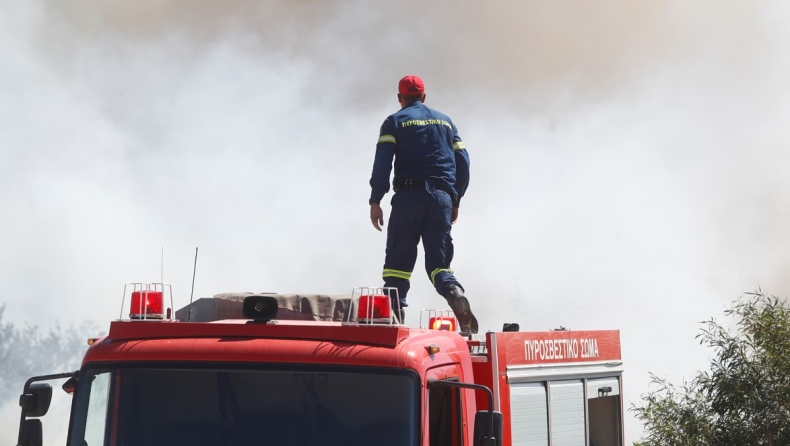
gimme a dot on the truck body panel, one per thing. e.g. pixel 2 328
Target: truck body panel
pixel 548 384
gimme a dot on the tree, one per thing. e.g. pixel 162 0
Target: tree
pixel 28 351
pixel 744 399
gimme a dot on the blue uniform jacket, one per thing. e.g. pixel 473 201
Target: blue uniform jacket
pixel 425 144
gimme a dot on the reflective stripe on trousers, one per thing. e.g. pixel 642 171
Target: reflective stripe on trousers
pixel 419 214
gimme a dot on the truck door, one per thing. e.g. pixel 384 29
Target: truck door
pixel 531 425
pixel 567 413
pixel 604 411
pixel 445 410
pixel 444 416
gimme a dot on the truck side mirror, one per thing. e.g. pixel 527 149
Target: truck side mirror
pixel 36 401
pixel 483 426
pixel 71 384
pixel 31 433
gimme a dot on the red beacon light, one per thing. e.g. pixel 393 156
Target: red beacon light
pixel 442 323
pixel 373 305
pixel 147 304
pixel 375 308
pixel 148 301
pixel 441 320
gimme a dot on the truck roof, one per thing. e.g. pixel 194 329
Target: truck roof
pixel 382 335
pixel 308 329
pixel 297 342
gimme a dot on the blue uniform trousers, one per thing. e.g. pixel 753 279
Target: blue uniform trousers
pixel 419 213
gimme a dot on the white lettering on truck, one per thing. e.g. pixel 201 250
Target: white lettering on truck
pixel 554 349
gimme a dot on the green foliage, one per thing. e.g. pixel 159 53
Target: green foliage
pixel 29 351
pixel 744 399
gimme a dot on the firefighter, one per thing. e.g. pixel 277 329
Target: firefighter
pixel 431 176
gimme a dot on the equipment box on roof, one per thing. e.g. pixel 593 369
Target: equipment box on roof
pixel 556 388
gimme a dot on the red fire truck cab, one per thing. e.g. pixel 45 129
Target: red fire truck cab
pixel 364 380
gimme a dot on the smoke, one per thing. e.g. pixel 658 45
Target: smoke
pixel 627 157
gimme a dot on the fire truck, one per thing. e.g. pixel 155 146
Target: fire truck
pixel 301 370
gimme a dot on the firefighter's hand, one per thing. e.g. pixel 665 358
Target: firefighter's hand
pixel 376 216
pixel 453 216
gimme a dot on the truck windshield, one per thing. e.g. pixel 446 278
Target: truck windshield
pixel 204 406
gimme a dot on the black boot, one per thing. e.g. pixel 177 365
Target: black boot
pixel 400 314
pixel 460 305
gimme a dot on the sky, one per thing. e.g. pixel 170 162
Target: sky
pixel 628 157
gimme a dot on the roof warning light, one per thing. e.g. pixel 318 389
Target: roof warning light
pixel 374 305
pixel 148 301
pixel 146 304
pixel 442 323
pixel 374 308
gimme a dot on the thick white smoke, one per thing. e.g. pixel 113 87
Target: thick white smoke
pixel 627 157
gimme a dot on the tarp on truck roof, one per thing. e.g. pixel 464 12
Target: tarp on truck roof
pixel 318 307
